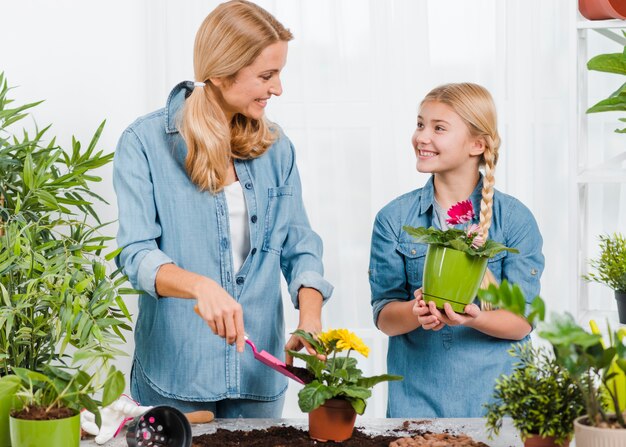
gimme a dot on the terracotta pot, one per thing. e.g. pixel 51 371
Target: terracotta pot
pixel 602 9
pixel 333 421
pixel 588 436
pixel 543 441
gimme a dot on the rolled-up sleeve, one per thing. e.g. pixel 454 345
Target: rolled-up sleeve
pixel 139 229
pixel 387 273
pixel 524 269
pixel 301 255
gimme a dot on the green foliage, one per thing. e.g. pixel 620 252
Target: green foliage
pixel 456 239
pixel 611 265
pixel 539 396
pixel 337 377
pixel 509 296
pixel 589 363
pixel 56 295
pixel 611 63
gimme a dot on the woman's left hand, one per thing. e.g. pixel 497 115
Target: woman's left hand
pixel 310 301
pixel 451 318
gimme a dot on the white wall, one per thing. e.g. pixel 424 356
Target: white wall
pixel 356 72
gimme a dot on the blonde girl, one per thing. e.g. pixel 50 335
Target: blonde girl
pixel 450 360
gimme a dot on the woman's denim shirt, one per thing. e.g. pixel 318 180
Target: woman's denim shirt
pixel 164 218
pixel 451 372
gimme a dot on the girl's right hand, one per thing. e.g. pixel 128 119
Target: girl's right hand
pixel 426 319
pixel 222 313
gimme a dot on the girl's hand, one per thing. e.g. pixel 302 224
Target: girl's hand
pixel 451 318
pixel 427 320
pixel 295 343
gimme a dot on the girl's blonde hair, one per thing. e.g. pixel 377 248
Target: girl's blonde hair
pixel 474 104
pixel 231 37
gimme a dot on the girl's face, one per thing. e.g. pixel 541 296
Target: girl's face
pixel 442 141
pixel 253 85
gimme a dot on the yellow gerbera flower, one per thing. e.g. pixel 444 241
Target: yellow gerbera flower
pixel 343 340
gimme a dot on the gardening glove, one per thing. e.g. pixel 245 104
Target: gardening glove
pixel 114 417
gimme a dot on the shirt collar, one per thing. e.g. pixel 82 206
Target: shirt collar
pixel 428 195
pixel 175 101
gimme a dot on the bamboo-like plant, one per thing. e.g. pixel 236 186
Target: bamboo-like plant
pixel 61 313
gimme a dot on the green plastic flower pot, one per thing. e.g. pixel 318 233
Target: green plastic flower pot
pixel 6 403
pixel 452 276
pixel 55 433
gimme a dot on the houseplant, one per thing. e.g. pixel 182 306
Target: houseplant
pixel 337 391
pixel 56 296
pixel 586 359
pixel 610 269
pixel 539 396
pixel 456 258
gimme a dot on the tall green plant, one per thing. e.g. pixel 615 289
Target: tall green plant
pixel 611 63
pixel 55 292
pixel 611 265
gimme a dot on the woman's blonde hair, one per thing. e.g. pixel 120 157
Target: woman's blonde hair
pixel 474 104
pixel 231 37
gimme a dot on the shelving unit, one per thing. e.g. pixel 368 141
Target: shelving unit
pixel 588 170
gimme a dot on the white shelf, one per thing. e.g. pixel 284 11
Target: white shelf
pixel 601 176
pixel 601 24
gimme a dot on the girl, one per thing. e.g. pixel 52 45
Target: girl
pixel 449 360
pixel 210 211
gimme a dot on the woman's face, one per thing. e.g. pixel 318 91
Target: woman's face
pixel 253 85
pixel 442 141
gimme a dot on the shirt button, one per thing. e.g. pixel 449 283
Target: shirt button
pixel 240 280
pixel 413 252
pixel 253 250
pixel 248 185
pixel 254 218
pixel 533 272
pixel 224 243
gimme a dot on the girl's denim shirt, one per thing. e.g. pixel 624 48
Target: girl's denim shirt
pixel 164 218
pixel 451 372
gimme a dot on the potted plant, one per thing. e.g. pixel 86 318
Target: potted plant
pixel 539 396
pixel 56 296
pixel 611 269
pixel 586 359
pixel 336 390
pixel 602 9
pixel 456 259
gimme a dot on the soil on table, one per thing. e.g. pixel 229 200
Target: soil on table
pixel 285 436
pixel 35 413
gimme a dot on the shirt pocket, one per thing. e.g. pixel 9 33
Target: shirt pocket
pixel 414 255
pixel 277 218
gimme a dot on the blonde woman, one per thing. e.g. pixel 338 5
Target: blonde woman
pixel 450 360
pixel 210 212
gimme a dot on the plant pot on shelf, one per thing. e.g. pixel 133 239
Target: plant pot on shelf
pixel 620 297
pixel 589 436
pixel 52 433
pixel 602 9
pixel 452 276
pixel 332 421
pixel 543 441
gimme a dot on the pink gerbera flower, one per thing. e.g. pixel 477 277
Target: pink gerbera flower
pixel 461 213
pixel 474 236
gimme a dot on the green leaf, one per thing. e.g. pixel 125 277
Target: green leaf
pixel 369 382
pixel 608 63
pixel 113 387
pixel 313 395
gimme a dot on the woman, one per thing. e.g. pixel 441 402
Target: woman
pixel 210 212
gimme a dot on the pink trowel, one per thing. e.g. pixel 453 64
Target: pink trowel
pixel 271 361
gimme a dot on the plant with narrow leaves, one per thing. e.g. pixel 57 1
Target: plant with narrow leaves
pixel 56 296
pixel 611 265
pixel 338 376
pixel 539 396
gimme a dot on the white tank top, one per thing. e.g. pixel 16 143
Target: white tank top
pixel 239 227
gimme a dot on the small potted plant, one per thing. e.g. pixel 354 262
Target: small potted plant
pixel 539 396
pixel 336 390
pixel 611 269
pixel 588 361
pixel 456 258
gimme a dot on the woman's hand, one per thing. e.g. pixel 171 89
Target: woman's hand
pixel 450 318
pixel 221 312
pixel 310 303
